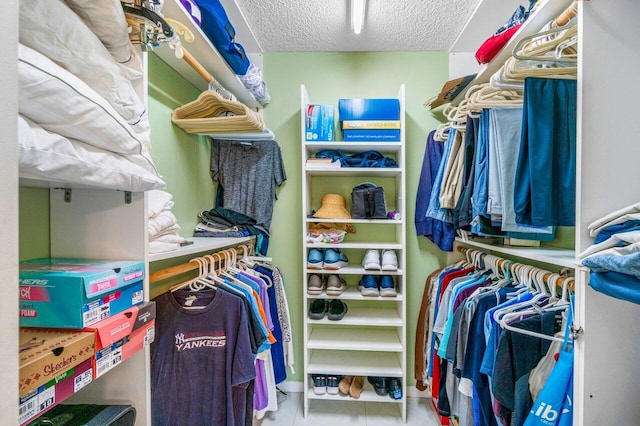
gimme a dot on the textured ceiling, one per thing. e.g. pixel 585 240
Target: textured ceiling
pixel 324 25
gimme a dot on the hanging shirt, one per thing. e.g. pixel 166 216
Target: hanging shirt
pixel 248 173
pixel 199 357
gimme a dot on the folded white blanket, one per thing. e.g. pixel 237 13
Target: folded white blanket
pixel 161 222
pixel 160 247
pixel 170 238
pixel 158 201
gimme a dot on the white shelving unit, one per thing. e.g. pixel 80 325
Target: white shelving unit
pixel 371 338
pixel 605 170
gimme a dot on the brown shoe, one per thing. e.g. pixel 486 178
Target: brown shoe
pixel 345 384
pixel 356 387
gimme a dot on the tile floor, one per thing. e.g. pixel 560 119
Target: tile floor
pixel 348 413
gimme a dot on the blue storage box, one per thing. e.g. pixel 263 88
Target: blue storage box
pixel 359 110
pixel 75 293
pixel 369 109
pixel 319 123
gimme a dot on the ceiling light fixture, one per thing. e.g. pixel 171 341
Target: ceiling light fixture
pixel 357 15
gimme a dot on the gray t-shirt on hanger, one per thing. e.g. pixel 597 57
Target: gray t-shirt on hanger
pixel 248 172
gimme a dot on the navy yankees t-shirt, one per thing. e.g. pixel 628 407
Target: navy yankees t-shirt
pixel 201 360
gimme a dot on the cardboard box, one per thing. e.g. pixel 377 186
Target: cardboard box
pixel 75 293
pixel 53 392
pixel 45 354
pixel 369 109
pixel 121 335
pixel 319 122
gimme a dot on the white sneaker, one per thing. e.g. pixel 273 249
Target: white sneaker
pixel 371 260
pixel 389 260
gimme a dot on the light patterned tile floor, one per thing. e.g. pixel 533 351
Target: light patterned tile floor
pixel 337 413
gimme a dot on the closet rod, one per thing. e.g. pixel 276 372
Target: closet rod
pixel 183 268
pixel 503 262
pixel 569 13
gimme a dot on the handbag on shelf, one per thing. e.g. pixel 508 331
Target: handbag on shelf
pixel 368 202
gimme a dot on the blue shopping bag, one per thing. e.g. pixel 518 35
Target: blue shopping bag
pixel 554 405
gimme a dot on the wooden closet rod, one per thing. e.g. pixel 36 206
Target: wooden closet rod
pixel 183 268
pixel 568 14
pixel 161 281
pixel 504 262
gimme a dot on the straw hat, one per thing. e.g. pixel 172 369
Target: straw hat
pixel 333 207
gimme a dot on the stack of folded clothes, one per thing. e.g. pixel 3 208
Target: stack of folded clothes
pixel 225 223
pixel 163 225
pixel 614 258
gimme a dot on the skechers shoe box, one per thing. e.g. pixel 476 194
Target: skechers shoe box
pixel 370 120
pixel 77 293
pixel 53 365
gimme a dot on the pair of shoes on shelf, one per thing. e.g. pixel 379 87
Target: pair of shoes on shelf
pixel 325 384
pixel 352 386
pixel 386 386
pixel 334 285
pixel 372 260
pixel 328 259
pixel 335 309
pixel 372 286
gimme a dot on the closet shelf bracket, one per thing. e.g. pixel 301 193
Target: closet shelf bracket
pixel 67 195
pixel 127 197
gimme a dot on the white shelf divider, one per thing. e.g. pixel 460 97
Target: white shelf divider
pixel 353 171
pixel 360 340
pixel 353 270
pixel 382 147
pixel 356 363
pixel 365 246
pixel 352 293
pixel 367 395
pixel 371 317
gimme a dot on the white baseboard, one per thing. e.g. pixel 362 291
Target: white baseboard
pixel 290 386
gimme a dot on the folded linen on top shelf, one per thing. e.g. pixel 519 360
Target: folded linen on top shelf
pixel 210 113
pixel 163 225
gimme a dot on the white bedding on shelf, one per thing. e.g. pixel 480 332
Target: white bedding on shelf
pixel 55 31
pixel 61 103
pixel 45 155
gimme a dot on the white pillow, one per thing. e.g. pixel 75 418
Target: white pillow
pixel 107 21
pixel 45 155
pixel 61 103
pixel 54 30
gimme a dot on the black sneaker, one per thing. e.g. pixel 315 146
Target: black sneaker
pixel 317 309
pixel 332 384
pixel 380 384
pixel 337 310
pixel 395 388
pixel 319 384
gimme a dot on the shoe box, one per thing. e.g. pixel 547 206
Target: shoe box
pixel 77 293
pixel 46 354
pixel 45 397
pixel 121 335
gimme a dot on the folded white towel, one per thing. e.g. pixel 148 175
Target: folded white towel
pixel 158 201
pixel 164 219
pixel 631 212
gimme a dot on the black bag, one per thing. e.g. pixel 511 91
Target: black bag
pixel 368 202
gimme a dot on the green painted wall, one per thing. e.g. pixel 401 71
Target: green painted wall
pixel 329 76
pixel 34 223
pixel 181 159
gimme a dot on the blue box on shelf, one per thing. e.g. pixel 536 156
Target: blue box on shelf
pixel 359 111
pixel 319 121
pixel 369 109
